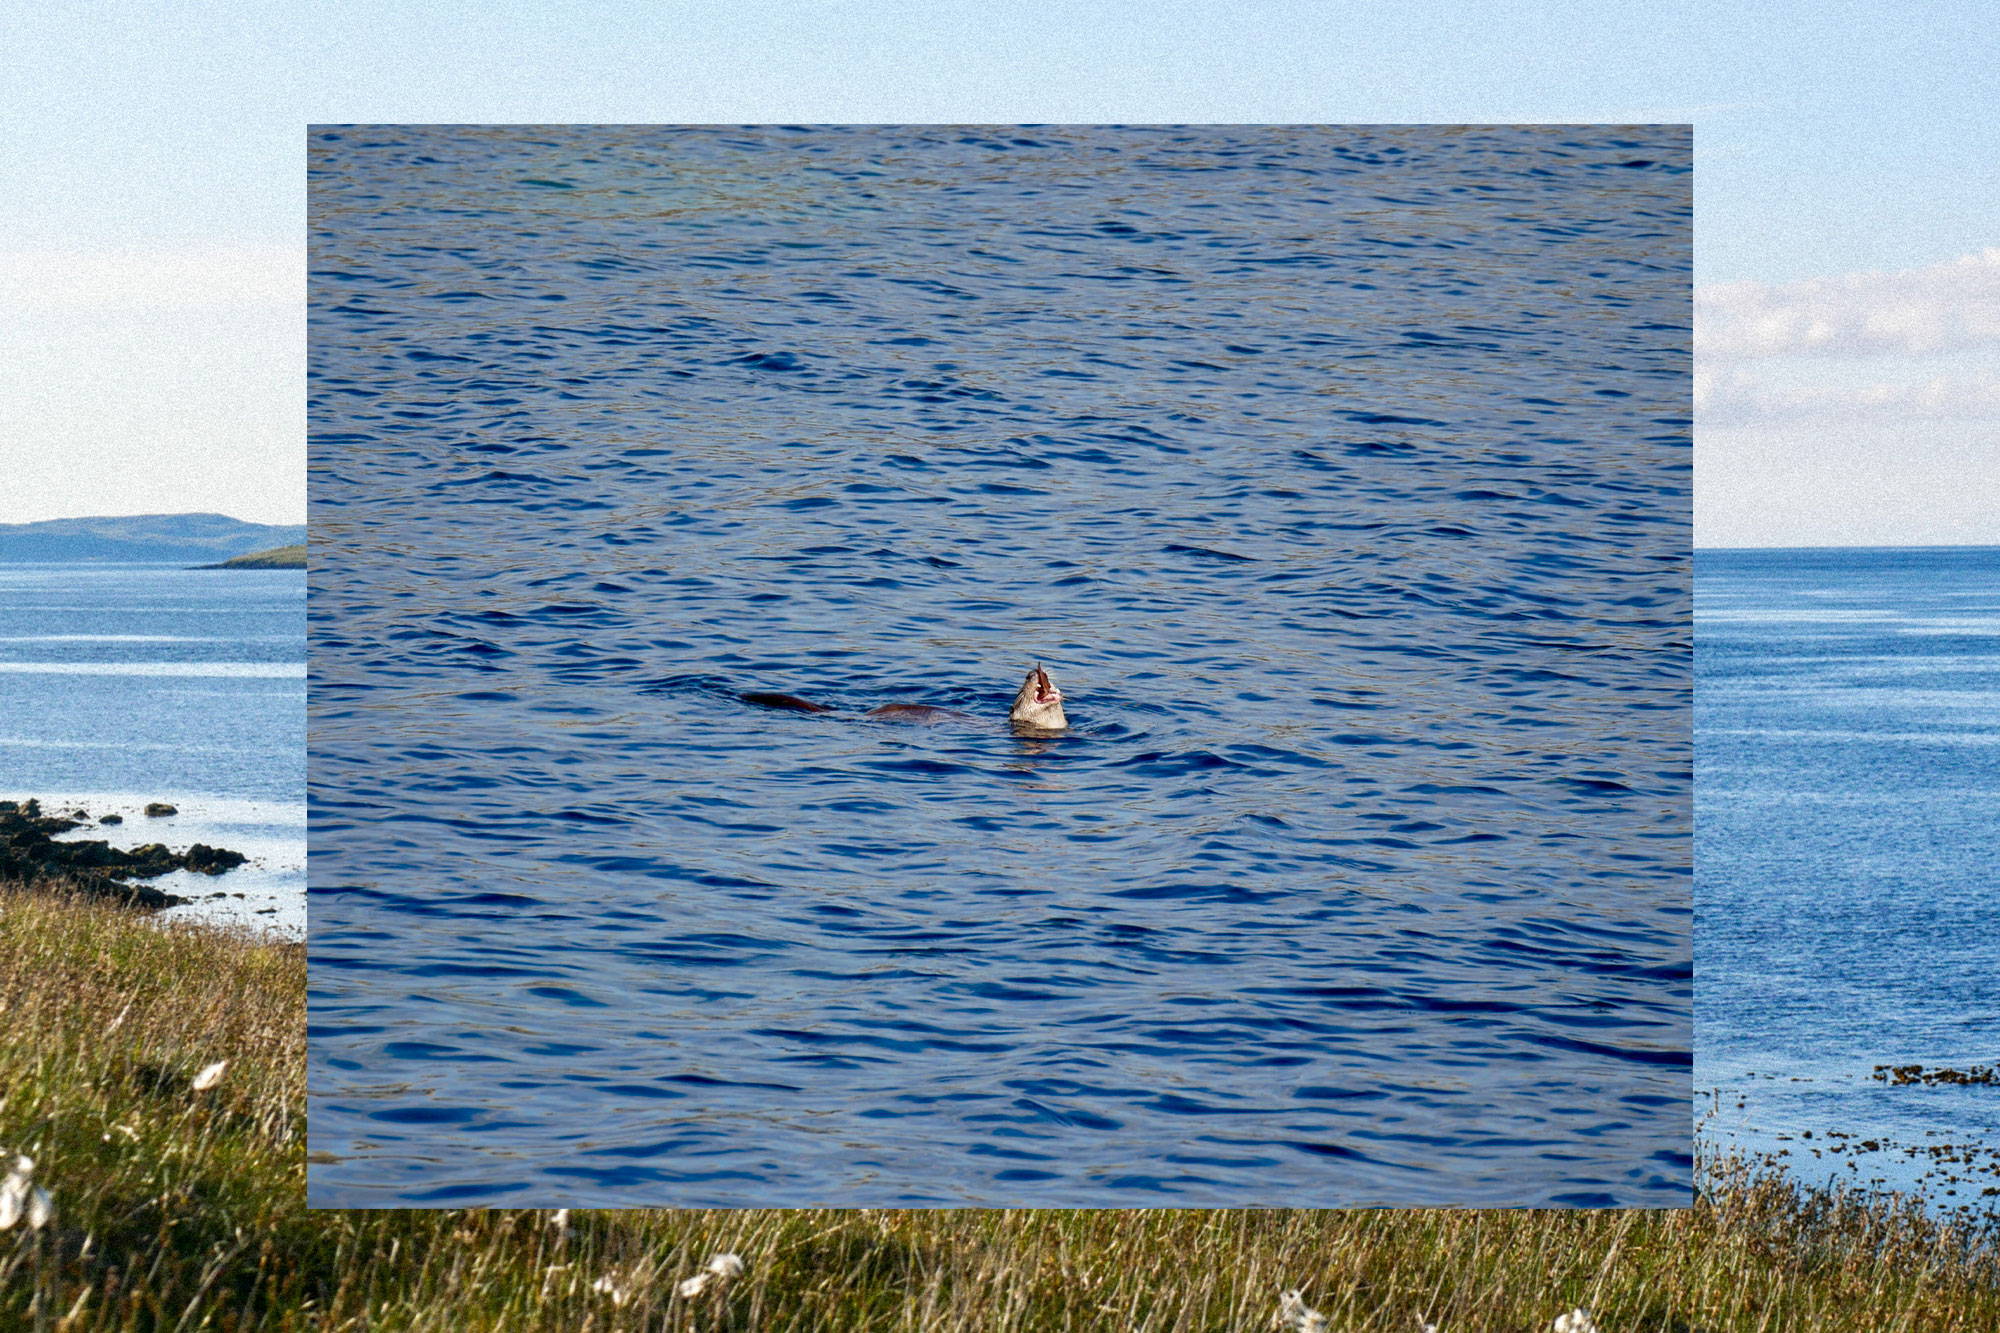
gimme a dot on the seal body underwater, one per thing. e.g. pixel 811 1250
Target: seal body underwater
pixel 916 713
pixel 1037 706
pixel 791 702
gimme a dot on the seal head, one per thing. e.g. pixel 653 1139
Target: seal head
pixel 1039 704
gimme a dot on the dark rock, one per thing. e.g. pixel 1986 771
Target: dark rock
pixel 112 819
pixel 152 860
pixel 211 860
pixel 142 896
pixel 158 808
pixel 96 854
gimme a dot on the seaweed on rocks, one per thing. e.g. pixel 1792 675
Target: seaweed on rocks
pixel 1897 1076
pixel 33 857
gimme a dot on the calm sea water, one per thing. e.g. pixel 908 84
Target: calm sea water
pixel 122 685
pixel 1848 711
pixel 1339 476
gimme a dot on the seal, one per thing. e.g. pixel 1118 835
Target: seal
pixel 1037 706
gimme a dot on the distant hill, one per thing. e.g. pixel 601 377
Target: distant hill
pixel 282 557
pixel 166 538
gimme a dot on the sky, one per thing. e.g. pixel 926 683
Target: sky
pixel 1848 214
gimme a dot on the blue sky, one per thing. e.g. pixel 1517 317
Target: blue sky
pixel 151 196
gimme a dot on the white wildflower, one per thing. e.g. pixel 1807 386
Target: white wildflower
pixel 210 1076
pixel 560 1220
pixel 1295 1314
pixel 1576 1321
pixel 21 1197
pixel 610 1287
pixel 1425 1326
pixel 720 1269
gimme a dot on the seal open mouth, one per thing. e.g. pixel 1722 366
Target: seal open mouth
pixel 1038 705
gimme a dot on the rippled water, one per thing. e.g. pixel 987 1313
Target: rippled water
pixel 1849 720
pixel 121 685
pixel 1339 476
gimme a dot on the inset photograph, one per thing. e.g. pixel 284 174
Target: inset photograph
pixel 1025 666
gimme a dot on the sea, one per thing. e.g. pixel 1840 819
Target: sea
pixel 1848 728
pixel 124 685
pixel 1338 476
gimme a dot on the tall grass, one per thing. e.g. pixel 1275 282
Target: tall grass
pixel 183 1208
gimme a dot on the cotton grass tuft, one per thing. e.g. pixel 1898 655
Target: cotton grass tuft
pixel 1294 1314
pixel 720 1270
pixel 21 1197
pixel 610 1286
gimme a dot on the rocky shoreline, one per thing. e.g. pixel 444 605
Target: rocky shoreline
pixel 32 858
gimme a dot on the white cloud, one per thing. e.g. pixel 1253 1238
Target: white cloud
pixel 1730 397
pixel 1943 307
pixel 206 278
pixel 1899 347
pixel 1860 409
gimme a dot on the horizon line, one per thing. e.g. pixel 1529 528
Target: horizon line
pixel 154 513
pixel 1696 548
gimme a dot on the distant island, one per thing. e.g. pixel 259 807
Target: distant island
pixel 182 539
pixel 278 557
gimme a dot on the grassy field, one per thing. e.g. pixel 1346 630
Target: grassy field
pixel 177 1198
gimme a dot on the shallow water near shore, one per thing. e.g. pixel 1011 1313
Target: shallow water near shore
pixel 123 685
pixel 1339 478
pixel 267 892
pixel 1848 721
